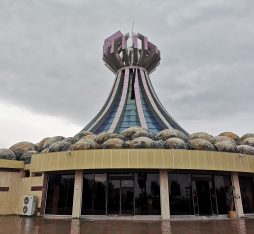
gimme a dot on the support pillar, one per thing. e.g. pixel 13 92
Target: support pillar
pixel 77 194
pixel 43 194
pixel 164 194
pixel 238 202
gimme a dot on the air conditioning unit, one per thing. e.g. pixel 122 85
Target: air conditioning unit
pixel 29 205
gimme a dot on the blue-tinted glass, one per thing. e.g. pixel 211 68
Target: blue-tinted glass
pixel 130 115
pixel 109 120
pixel 152 123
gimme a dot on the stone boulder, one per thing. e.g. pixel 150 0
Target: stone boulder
pixel 217 139
pixel 82 134
pixel 231 135
pixel 59 146
pixel 127 144
pixel 104 136
pixel 201 135
pixel 100 138
pixel 45 151
pixel 41 144
pixel 113 143
pixel 245 149
pixel 71 148
pixel 89 137
pixel 226 146
pixel 22 147
pixel 114 135
pixel 51 141
pixel 71 140
pixel 175 143
pixel 159 144
pixel 142 142
pixel 84 144
pixel 201 144
pixel 170 133
pixel 127 133
pixel 144 134
pixel 248 141
pixel 26 157
pixel 247 135
pixel 7 154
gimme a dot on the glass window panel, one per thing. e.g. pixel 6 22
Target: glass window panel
pixel 127 183
pixel 180 194
pixel 222 185
pixel 147 194
pixel 60 194
pixel 114 197
pixel 99 194
pixel 94 194
pixel 87 196
pixel 247 192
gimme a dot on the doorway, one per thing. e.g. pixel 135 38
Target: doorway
pixel 247 192
pixel 204 197
pixel 120 194
pixel 60 194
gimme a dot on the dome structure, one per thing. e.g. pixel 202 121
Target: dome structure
pixel 132 100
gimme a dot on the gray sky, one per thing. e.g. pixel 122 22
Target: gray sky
pixel 53 79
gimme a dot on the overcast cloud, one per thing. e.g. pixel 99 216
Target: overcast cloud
pixel 52 77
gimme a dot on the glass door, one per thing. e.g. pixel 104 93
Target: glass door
pixel 127 197
pixel 120 195
pixel 204 197
pixel 114 196
pixel 195 198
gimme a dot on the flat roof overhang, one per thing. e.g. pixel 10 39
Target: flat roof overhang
pixel 142 159
pixel 12 164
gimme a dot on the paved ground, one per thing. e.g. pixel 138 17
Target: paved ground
pixel 18 225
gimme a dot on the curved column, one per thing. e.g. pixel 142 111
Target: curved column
pixel 150 98
pixel 138 102
pixel 107 105
pixel 122 101
pixel 169 118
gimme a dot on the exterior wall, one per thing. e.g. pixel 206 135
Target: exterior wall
pixel 24 188
pixel 8 199
pixel 11 201
pixel 14 186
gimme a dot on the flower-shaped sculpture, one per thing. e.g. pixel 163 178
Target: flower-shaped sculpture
pixel 141 53
pixel 132 101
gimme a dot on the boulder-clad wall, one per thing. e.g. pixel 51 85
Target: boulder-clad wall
pixel 133 138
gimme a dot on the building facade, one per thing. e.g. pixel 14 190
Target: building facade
pixel 137 179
